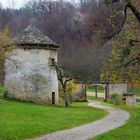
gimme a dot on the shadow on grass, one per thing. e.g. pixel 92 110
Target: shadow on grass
pixel 60 105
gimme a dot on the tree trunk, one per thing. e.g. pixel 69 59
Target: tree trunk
pixel 66 103
pixel 65 96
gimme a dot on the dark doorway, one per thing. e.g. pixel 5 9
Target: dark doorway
pixel 53 98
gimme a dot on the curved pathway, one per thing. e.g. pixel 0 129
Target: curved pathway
pixel 116 118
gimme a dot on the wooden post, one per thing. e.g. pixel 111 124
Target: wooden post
pixel 96 92
pixel 106 91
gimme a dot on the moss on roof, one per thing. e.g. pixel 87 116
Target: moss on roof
pixel 32 36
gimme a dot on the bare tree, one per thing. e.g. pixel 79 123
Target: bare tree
pixel 63 78
pixel 6 47
pixel 128 5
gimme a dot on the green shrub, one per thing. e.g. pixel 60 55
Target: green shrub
pixel 115 99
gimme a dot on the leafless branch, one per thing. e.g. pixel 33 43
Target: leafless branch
pixel 123 22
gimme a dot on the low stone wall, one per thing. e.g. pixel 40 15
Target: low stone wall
pixel 80 93
pixel 130 99
pixel 117 89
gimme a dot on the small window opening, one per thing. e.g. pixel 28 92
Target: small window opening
pixel 51 61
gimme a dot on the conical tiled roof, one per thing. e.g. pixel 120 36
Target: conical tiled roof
pixel 32 36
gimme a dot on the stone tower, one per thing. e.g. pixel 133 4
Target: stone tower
pixel 28 75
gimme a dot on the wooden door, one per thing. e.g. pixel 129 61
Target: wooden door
pixel 53 98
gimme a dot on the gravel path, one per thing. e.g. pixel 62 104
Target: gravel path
pixel 116 118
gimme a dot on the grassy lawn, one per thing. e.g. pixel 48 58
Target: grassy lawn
pixel 130 131
pixel 92 89
pixel 94 98
pixel 20 120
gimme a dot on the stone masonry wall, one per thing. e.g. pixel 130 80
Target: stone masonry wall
pixel 29 76
pixel 79 93
pixel 118 89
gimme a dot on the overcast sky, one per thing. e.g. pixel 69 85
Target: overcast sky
pixel 17 3
pixel 13 3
